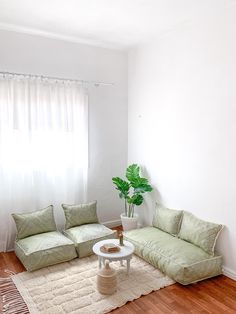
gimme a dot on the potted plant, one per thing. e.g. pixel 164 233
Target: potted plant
pixel 132 192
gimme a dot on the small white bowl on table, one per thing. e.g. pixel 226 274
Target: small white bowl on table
pixel 125 252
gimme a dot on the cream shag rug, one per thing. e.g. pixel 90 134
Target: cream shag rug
pixel 71 287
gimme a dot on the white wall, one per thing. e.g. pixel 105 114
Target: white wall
pixel 107 105
pixel 182 123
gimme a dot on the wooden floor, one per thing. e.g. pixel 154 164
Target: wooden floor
pixel 217 295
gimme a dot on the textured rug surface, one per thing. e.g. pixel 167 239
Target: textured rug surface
pixel 71 287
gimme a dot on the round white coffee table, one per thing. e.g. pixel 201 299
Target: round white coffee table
pixel 125 252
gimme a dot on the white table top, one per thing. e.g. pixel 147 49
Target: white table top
pixel 125 250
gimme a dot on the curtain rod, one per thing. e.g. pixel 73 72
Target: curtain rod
pixel 95 83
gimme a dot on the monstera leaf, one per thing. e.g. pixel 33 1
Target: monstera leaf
pixel 122 186
pixel 136 199
pixel 132 172
pixel 139 184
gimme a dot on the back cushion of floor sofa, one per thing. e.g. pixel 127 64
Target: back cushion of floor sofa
pixel 80 214
pixel 35 222
pixel 199 232
pixel 167 220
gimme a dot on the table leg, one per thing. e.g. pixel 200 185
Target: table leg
pixel 121 263
pixel 128 266
pixel 100 262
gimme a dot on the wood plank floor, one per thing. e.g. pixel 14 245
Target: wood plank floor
pixel 216 295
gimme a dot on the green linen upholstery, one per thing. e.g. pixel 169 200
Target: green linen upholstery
pixel 168 220
pixel 85 236
pixel 44 249
pixel 35 222
pixel 182 261
pixel 81 214
pixel 199 232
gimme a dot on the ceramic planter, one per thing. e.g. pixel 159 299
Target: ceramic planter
pixel 129 223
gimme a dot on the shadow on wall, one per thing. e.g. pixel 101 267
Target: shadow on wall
pixel 146 210
pixel 224 244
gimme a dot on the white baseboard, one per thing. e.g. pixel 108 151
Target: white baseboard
pixel 229 273
pixel 112 223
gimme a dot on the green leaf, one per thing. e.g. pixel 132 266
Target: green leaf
pixel 122 186
pixel 142 188
pixel 132 172
pixel 138 182
pixel 137 199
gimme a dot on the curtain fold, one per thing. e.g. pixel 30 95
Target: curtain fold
pixel 43 147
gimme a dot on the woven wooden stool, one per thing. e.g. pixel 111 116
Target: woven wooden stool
pixel 106 280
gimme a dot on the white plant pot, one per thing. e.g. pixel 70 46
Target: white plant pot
pixel 129 223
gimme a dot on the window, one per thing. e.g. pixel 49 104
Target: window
pixel 43 147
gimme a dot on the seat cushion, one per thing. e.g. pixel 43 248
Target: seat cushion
pixel 44 249
pixel 180 260
pixel 85 236
pixel 35 222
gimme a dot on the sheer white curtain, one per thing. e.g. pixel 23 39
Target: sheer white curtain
pixel 43 147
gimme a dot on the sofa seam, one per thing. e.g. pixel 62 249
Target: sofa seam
pixel 54 247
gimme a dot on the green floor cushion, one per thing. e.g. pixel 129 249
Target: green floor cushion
pixel 183 261
pixel 44 249
pixel 85 236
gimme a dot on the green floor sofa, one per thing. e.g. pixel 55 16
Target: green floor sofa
pixel 39 244
pixel 180 245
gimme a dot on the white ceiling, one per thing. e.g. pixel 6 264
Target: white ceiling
pixel 110 23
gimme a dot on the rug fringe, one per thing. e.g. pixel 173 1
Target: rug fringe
pixel 11 299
